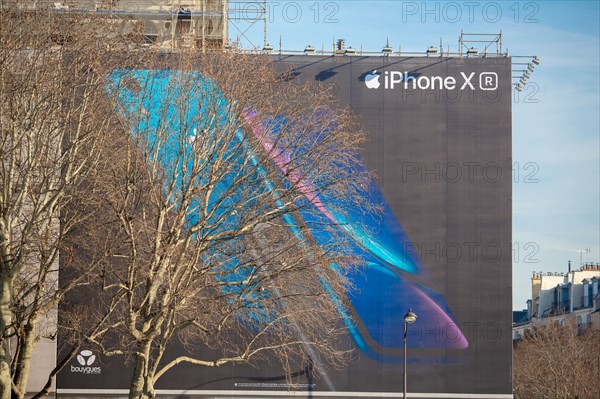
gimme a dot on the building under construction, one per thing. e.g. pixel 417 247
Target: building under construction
pixel 165 24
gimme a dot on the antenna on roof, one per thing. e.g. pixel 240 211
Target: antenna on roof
pixel 587 250
pixel 265 21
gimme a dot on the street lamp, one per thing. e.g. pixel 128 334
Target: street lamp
pixel 409 318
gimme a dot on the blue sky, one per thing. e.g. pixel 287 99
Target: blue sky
pixel 556 123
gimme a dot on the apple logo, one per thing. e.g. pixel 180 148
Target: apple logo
pixel 372 80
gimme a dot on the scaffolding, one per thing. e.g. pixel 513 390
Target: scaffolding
pixel 167 24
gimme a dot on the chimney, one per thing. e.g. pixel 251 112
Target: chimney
pixel 569 266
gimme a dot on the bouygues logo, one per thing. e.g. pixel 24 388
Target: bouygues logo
pixel 406 80
pixel 86 360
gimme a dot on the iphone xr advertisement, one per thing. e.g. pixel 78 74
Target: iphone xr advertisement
pixel 439 146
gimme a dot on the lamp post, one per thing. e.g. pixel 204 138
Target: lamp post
pixel 409 318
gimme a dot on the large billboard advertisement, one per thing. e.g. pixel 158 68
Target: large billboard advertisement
pixel 439 144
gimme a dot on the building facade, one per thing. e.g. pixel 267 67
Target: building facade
pixel 558 296
pixel 164 24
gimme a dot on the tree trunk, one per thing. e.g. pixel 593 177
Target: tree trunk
pixel 24 359
pixel 5 321
pixel 142 386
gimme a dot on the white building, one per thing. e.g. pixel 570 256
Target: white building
pixel 556 296
pixel 558 293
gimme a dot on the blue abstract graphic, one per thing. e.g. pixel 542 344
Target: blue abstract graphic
pixel 393 279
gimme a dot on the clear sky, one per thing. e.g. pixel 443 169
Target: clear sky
pixel 556 123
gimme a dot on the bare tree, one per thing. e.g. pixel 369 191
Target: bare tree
pixel 54 117
pixel 229 199
pixel 554 361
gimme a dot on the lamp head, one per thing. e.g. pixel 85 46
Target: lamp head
pixel 410 317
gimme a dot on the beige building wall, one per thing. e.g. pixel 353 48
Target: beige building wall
pixel 44 355
pixel 536 282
